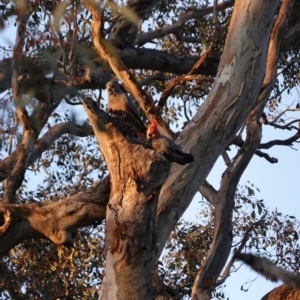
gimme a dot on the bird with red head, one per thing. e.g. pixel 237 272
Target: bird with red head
pixel 166 146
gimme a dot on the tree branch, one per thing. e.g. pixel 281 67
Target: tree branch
pixel 136 58
pixel 268 269
pixel 286 142
pixel 213 265
pixel 224 202
pixel 291 38
pixel 225 105
pixel 175 27
pixel 16 177
pixel 136 175
pixel 17 54
pixel 226 158
pixel 53 221
pixel 287 126
pixel 180 80
pixel 238 141
pixel 243 242
pixel 209 193
pixel 144 100
pixel 124 33
pixel 284 291
pixel 281 114
pixel 43 144
pixel 272 160
pixel 133 58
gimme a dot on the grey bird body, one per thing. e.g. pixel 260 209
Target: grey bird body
pixel 167 147
pixel 120 103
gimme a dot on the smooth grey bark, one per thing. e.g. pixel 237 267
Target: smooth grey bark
pixel 223 199
pixel 233 95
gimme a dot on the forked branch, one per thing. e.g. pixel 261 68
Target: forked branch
pixel 53 221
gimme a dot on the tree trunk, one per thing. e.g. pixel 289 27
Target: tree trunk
pixel 232 97
pixel 136 175
pixel 282 292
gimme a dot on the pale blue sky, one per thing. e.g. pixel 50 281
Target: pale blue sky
pixel 279 187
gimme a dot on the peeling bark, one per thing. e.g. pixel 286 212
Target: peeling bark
pixel 223 199
pixel 53 221
pixel 231 99
pixel 283 292
pixel 137 174
pixel 218 254
pixel 146 197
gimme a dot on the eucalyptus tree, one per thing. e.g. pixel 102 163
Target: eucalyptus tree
pixel 221 68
